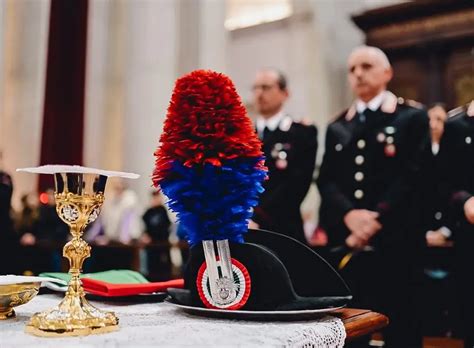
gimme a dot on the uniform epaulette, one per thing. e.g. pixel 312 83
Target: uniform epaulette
pixel 335 117
pixel 410 102
pixel 455 111
pixel 305 121
pixel 470 109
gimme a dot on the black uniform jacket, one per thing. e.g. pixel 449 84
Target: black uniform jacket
pixel 290 155
pixel 432 204
pixel 458 142
pixel 373 162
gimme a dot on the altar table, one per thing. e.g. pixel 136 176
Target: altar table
pixel 161 324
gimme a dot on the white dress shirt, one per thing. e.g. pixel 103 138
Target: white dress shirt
pixel 434 148
pixel 373 104
pixel 271 123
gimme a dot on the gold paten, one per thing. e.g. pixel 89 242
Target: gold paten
pixel 13 295
pixel 79 198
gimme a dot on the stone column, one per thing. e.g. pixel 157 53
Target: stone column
pixel 24 29
pixel 150 74
pixel 132 60
pixel 202 38
pixel 105 84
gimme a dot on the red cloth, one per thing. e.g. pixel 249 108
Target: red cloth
pixel 98 287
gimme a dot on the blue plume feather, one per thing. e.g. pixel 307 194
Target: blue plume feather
pixel 214 202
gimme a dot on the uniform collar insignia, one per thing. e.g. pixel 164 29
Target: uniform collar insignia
pixel 351 112
pixel 285 123
pixel 389 105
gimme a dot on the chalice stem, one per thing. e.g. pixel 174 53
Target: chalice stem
pixel 76 251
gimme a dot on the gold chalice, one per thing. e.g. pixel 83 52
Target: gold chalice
pixel 79 193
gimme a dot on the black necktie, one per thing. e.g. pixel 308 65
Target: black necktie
pixel 266 131
pixel 367 116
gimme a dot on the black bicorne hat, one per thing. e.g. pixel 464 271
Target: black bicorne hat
pixel 274 272
pixel 211 167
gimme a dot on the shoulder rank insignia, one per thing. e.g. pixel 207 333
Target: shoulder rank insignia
pixel 470 109
pixel 389 104
pixel 410 102
pixel 456 111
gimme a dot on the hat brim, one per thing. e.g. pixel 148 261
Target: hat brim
pixel 315 285
pixel 274 315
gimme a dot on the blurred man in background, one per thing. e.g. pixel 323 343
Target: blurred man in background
pixel 435 296
pixel 369 169
pixel 458 142
pixel 157 229
pixel 290 154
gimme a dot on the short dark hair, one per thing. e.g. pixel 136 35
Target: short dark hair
pixel 282 81
pixel 437 104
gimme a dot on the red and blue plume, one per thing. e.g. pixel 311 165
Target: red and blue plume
pixel 209 163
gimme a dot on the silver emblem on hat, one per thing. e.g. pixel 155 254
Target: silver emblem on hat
pixel 222 284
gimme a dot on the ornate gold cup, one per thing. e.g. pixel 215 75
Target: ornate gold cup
pixel 79 193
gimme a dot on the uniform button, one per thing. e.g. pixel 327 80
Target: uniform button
pixel 361 144
pixel 338 147
pixel 438 215
pixel 282 155
pixel 359 159
pixel 359 176
pixel 468 140
pixel 358 194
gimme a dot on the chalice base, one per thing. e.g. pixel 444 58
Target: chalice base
pixel 9 313
pixel 74 316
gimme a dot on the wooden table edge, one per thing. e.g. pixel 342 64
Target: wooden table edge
pixel 361 322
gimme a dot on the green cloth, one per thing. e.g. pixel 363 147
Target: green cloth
pixel 115 276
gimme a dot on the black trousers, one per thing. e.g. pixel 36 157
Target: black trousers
pixel 464 282
pixel 383 280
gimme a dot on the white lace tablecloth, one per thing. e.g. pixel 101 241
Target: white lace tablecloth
pixel 161 325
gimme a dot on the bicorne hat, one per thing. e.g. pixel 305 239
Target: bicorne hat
pixel 210 166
